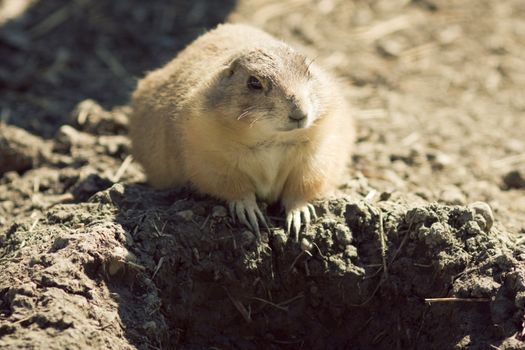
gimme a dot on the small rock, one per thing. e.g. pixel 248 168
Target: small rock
pixel 246 238
pixel 92 118
pixel 69 136
pixel 89 185
pixel 306 245
pixel 150 327
pixel 114 145
pixel 390 47
pixel 439 160
pixel 20 150
pixel 219 211
pixel 116 193
pixel 515 179
pixel 115 266
pixel 10 177
pixel 343 234
pixel 59 243
pixel 60 215
pixel 484 216
pixel 117 260
pixel 520 299
pixel 450 34
pixel 278 240
pixel 350 252
pixel 515 146
pixel 187 215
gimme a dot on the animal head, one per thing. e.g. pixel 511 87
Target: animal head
pixel 271 89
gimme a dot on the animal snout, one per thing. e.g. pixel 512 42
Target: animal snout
pixel 297 115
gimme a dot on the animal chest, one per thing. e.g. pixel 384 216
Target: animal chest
pixel 268 170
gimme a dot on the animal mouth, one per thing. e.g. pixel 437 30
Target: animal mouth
pixel 299 124
pixel 295 125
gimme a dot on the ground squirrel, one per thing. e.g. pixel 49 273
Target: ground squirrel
pixel 240 115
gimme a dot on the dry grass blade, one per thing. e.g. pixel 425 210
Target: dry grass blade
pixel 277 306
pixel 56 18
pixel 159 265
pixel 381 29
pixel 508 161
pixel 461 300
pixel 240 307
pixel 122 169
pixel 113 63
pixel 50 22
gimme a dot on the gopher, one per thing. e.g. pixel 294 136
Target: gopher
pixel 240 115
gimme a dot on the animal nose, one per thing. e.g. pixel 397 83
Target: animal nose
pixel 297 115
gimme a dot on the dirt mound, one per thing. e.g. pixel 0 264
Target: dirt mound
pixel 144 268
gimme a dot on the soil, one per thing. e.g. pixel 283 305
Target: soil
pixel 422 248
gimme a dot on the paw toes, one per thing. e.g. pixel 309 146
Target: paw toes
pixel 252 218
pixel 306 216
pixel 289 217
pixel 248 213
pixel 311 209
pixel 262 218
pixel 296 218
pixel 297 224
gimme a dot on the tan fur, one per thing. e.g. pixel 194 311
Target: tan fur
pixel 188 125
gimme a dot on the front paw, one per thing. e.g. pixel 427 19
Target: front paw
pixel 248 213
pixel 293 218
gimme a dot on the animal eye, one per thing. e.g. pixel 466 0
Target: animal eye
pixel 253 83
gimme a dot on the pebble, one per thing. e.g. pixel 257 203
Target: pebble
pixel 219 211
pixel 185 214
pixel 150 326
pixel 485 219
pixel 69 136
pixel 246 238
pixel 19 150
pixel 93 118
pixel 515 179
pixel 306 245
pixel 343 234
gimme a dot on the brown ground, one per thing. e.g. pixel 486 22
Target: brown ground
pixel 92 258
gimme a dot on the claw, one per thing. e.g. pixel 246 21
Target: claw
pixel 293 219
pixel 241 215
pixel 312 211
pixel 297 224
pixel 262 218
pixel 306 216
pixel 289 217
pixel 248 213
pixel 252 218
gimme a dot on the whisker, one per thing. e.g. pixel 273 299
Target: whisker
pixel 246 112
pixel 261 117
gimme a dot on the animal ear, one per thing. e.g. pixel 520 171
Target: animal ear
pixel 228 69
pixel 233 63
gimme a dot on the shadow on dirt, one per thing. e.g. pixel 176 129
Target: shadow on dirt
pixel 60 52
